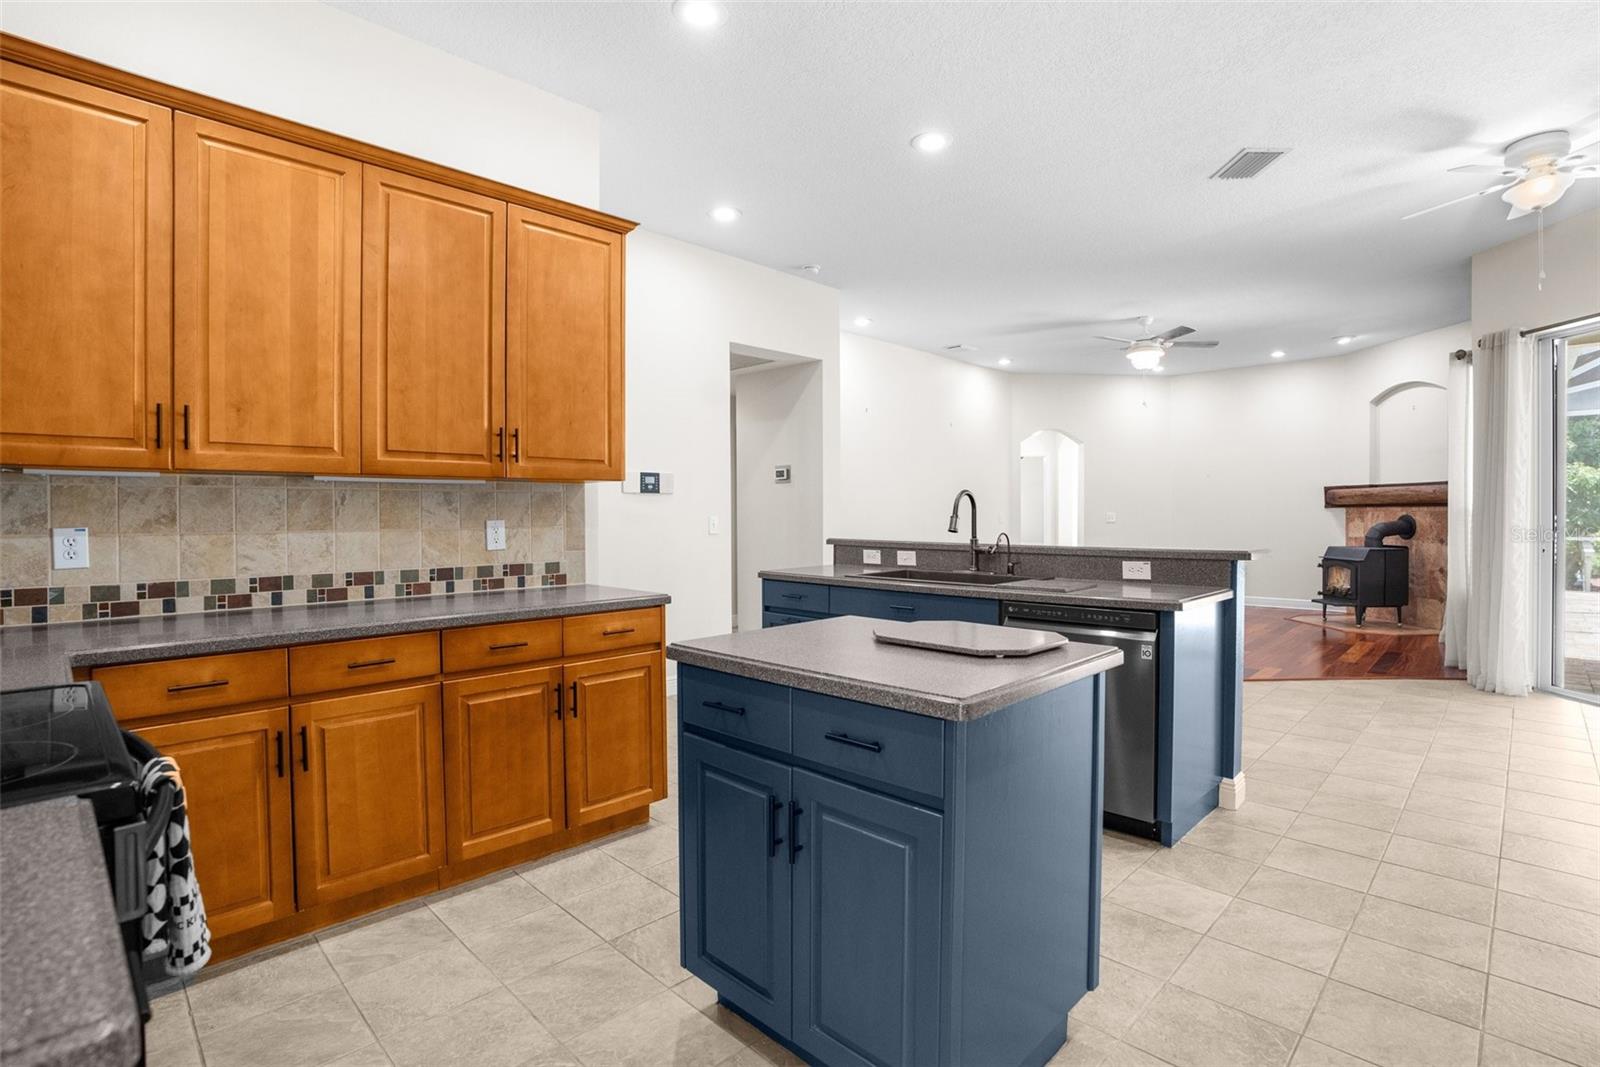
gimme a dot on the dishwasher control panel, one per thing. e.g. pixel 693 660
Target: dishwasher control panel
pixel 1021 614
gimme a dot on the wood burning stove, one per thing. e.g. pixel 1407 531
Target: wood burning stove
pixel 1369 575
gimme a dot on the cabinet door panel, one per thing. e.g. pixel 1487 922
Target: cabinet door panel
pixel 735 873
pixel 85 274
pixel 504 772
pixel 369 791
pixel 267 302
pixel 433 333
pixel 236 785
pixel 866 926
pixel 564 348
pixel 615 740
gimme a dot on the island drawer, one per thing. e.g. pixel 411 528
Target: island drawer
pixel 795 596
pixel 896 747
pixel 770 618
pixel 348 664
pixel 473 648
pixel 757 712
pixel 140 690
pixel 909 607
pixel 586 635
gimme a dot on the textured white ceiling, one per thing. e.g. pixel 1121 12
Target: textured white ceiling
pixel 1076 191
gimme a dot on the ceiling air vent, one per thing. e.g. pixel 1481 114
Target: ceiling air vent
pixel 1248 163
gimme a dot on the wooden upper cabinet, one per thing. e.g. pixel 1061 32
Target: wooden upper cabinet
pixel 85 274
pixel 267 303
pixel 564 348
pixel 433 329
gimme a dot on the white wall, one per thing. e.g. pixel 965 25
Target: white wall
pixel 914 429
pixel 778 421
pixel 686 305
pixel 1406 443
pixel 1505 291
pixel 320 66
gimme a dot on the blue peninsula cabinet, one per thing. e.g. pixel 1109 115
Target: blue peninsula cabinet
pixel 876 885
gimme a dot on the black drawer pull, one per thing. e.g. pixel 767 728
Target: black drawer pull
pixel 773 840
pixel 500 443
pixel 305 754
pixel 909 609
pixel 508 646
pixel 279 739
pixel 558 699
pixel 795 847
pixel 792 596
pixel 854 742
pixel 369 663
pixel 158 424
pixel 186 426
pixel 617 632
pixel 191 686
pixel 717 705
pixel 574 708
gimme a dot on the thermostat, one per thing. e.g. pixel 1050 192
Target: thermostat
pixel 781 474
pixel 649 482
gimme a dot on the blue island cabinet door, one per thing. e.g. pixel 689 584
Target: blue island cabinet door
pixel 736 877
pixel 866 926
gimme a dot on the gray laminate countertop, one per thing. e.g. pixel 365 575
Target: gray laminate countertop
pixel 841 658
pixel 1082 592
pixel 68 995
pixel 1063 550
pixel 45 655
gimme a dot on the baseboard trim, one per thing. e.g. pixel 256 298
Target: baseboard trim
pixel 1230 794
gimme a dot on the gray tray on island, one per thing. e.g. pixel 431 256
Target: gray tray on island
pixel 967 638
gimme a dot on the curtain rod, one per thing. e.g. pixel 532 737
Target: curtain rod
pixel 1579 321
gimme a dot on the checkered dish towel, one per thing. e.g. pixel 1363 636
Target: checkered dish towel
pixel 175 917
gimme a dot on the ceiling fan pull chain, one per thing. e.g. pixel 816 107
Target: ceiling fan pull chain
pixel 1540 223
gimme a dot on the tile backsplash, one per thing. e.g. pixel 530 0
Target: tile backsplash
pixel 199 542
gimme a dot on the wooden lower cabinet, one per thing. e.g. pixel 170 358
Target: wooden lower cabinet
pixel 505 773
pixel 615 735
pixel 236 785
pixel 369 791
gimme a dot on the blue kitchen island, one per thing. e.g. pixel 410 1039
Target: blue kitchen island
pixel 891 855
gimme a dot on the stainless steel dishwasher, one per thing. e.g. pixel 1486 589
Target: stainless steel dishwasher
pixel 1132 722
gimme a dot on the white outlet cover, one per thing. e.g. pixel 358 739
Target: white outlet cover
pixel 871 555
pixel 494 534
pixel 69 548
pixel 1111 516
pixel 1135 570
pixel 905 558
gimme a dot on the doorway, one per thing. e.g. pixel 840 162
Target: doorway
pixel 1571 646
pixel 1050 484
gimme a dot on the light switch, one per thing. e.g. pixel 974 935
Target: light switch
pixel 70 548
pixel 1111 516
pixel 494 535
pixel 871 555
pixel 713 525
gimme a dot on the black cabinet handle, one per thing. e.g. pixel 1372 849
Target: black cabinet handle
pixel 363 664
pixel 507 646
pixel 278 738
pixel 908 609
pixel 305 756
pixel 574 700
pixel 717 705
pixel 773 840
pixel 792 596
pixel 158 424
pixel 500 443
pixel 516 446
pixel 854 742
pixel 186 426
pixel 191 686
pixel 795 847
pixel 618 632
pixel 558 700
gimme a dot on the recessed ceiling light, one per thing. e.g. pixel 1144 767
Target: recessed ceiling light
pixel 1004 362
pixel 931 141
pixel 862 321
pixel 1278 353
pixel 811 268
pixel 1343 339
pixel 701 14
pixel 725 214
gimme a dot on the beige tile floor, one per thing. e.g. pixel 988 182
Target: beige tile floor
pixel 1414 880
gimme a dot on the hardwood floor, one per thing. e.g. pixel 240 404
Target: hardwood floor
pixel 1277 648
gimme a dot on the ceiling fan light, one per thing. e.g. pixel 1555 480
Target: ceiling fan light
pixel 1146 356
pixel 1538 191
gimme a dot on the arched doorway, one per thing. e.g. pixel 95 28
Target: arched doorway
pixel 1050 480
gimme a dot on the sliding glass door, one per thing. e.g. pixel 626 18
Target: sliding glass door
pixel 1571 644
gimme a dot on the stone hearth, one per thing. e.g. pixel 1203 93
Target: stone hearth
pixel 1365 505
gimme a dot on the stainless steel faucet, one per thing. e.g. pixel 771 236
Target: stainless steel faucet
pixel 1011 562
pixel 955 522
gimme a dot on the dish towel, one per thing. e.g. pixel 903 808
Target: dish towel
pixel 175 916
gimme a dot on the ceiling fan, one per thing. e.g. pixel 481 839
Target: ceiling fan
pixel 1538 170
pixel 1145 352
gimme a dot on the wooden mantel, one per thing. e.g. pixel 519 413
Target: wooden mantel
pixel 1418 494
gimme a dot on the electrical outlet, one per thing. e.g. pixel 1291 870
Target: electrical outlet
pixel 1135 570
pixel 905 558
pixel 494 535
pixel 70 548
pixel 871 555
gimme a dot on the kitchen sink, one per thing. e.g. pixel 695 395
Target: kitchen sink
pixel 911 574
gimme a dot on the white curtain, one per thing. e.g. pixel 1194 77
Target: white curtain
pixel 1453 633
pixel 1500 522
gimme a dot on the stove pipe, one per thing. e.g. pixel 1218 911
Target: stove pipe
pixel 1405 526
